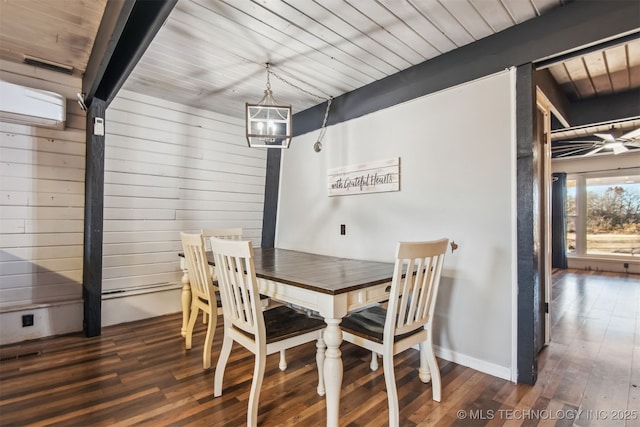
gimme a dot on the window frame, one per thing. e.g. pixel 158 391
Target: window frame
pixel 580 179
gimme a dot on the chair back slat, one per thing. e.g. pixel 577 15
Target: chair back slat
pixel 238 285
pixel 197 267
pixel 414 286
pixel 221 233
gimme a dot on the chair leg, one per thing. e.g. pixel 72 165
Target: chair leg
pixel 392 392
pixel 322 347
pixel 227 343
pixel 283 361
pixel 374 361
pixel 424 372
pixel 436 380
pixel 192 323
pixel 208 341
pixel 256 384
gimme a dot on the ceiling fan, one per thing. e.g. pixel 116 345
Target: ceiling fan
pixel 614 140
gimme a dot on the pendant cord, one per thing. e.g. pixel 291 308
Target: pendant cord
pixel 268 80
pixel 323 129
pixel 285 81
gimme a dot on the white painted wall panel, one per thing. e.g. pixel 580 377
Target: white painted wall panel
pixel 168 168
pixel 41 210
pixel 171 168
pixel 456 182
pixel 39 253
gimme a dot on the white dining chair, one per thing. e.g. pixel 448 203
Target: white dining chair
pixel 236 234
pixel 262 332
pixel 221 233
pixel 203 292
pixel 407 320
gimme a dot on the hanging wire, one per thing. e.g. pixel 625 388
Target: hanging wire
pixel 268 73
pixel 293 85
pixel 318 145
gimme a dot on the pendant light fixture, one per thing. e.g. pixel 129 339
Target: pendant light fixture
pixel 268 124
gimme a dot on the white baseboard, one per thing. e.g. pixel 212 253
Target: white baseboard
pixel 592 263
pixel 48 320
pixel 499 371
pixel 66 317
pixel 129 308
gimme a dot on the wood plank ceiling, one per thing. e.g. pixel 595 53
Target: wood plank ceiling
pixel 612 70
pixel 57 31
pixel 211 54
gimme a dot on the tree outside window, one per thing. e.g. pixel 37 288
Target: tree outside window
pixel 611 213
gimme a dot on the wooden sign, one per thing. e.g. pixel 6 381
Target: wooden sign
pixel 374 177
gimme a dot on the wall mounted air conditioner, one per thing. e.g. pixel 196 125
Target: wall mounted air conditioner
pixel 31 107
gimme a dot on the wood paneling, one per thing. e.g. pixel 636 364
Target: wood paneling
pixel 211 54
pixel 41 184
pixel 56 30
pixel 172 168
pixel 139 373
pixel 168 168
pixel 610 70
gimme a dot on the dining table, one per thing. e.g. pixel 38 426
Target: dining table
pixel 327 285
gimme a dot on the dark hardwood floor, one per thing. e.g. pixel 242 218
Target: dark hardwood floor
pixel 140 374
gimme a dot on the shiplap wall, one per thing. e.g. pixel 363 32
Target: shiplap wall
pixel 41 208
pixel 41 214
pixel 169 168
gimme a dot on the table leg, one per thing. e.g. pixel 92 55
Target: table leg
pixel 186 301
pixel 333 370
pixel 320 355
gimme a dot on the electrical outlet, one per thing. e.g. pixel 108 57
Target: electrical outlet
pixel 27 320
pixel 625 265
pixel 343 229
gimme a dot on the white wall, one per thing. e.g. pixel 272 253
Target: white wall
pixel 41 215
pixel 168 168
pixel 457 166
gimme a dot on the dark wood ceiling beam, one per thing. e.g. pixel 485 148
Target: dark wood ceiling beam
pixel 541 65
pixel 126 30
pixel 116 14
pixel 574 26
pixel 606 108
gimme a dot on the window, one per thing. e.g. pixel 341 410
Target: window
pixel 602 215
pixel 570 215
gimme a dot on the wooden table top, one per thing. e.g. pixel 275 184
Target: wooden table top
pixel 321 273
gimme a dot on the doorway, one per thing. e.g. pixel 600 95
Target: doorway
pixel 542 216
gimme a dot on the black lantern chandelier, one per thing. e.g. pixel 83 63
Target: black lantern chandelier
pixel 268 124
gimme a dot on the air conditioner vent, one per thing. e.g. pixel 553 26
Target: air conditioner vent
pixel 31 107
pixel 49 65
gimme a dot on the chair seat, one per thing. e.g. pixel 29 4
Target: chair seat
pixel 406 321
pixel 369 323
pixel 218 300
pixel 260 331
pixel 283 322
